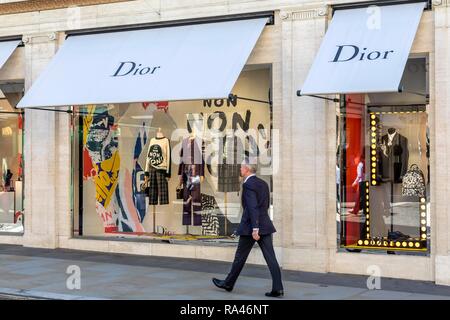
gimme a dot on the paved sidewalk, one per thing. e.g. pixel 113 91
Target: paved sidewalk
pixel 39 273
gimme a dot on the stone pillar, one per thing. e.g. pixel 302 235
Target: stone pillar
pixel 46 186
pixel 441 146
pixel 304 149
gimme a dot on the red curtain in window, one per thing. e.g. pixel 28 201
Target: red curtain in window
pixel 354 154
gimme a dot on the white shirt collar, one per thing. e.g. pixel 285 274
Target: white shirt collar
pixel 252 175
pixel 392 136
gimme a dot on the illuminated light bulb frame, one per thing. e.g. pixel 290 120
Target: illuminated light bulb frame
pixel 416 244
pixel 373 148
pixel 367 209
pixel 423 219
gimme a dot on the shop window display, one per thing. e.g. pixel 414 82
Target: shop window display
pixel 169 170
pixel 383 167
pixel 11 170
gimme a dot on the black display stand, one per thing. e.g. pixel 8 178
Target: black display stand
pixel 392 206
pixel 225 213
pixel 392 214
pixel 187 226
pixel 154 219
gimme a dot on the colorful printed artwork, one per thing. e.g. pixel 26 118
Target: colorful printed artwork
pixel 88 167
pixel 119 202
pixel 106 179
pixel 162 105
pixel 138 173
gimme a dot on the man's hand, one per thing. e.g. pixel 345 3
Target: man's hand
pixel 255 235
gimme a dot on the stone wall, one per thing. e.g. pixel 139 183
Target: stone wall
pixel 441 163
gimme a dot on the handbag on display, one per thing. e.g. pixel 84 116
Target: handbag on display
pixel 180 192
pixel 413 184
pixel 145 188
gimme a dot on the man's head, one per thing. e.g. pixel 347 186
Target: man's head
pixel 248 169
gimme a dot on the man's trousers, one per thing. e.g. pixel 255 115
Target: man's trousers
pixel 246 244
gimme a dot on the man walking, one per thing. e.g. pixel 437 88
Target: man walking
pixel 255 226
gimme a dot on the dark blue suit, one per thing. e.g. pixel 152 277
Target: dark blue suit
pixel 255 203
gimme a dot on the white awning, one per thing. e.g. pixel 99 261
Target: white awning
pixel 6 50
pixel 364 50
pixel 201 61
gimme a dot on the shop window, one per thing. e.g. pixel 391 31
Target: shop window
pixel 383 167
pixel 11 169
pixel 189 152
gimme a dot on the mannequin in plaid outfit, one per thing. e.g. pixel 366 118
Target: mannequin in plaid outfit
pixel 157 169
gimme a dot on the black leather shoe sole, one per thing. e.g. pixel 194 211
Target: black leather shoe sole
pixel 220 284
pixel 275 294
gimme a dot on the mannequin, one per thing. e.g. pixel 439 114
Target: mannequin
pixel 192 137
pixel 393 157
pixel 192 172
pixel 393 160
pixel 158 168
pixel 158 171
pixel 8 178
pixel 160 134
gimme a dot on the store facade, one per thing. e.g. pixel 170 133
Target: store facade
pixel 339 203
pixel 11 138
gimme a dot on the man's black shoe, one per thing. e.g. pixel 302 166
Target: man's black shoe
pixel 275 294
pixel 221 284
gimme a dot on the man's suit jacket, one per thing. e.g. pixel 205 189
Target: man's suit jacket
pixel 255 202
pixel 393 161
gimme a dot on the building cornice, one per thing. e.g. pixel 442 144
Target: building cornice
pixel 40 38
pixel 306 14
pixel 42 5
